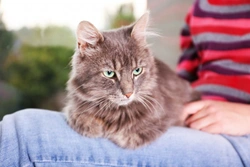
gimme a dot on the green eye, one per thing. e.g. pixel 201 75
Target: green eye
pixel 109 74
pixel 137 71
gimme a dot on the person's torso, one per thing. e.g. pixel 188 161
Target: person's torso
pixel 220 31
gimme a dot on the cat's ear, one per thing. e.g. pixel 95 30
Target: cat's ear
pixel 140 27
pixel 87 34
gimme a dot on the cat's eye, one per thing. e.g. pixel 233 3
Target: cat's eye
pixel 109 74
pixel 137 71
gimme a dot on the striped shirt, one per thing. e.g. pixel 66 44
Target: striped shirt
pixel 215 45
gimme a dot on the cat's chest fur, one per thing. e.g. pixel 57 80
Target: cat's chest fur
pixel 122 92
pixel 129 127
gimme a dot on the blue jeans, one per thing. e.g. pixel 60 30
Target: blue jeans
pixel 42 138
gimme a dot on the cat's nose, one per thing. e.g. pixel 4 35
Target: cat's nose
pixel 128 94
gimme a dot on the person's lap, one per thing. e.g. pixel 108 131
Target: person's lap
pixel 43 138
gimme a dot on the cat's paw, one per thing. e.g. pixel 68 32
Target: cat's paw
pixel 132 141
pixel 89 128
pixel 92 131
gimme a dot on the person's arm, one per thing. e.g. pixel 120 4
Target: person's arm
pixel 218 117
pixel 189 60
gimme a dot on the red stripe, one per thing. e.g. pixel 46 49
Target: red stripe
pixel 209 97
pixel 189 14
pixel 220 29
pixel 237 82
pixel 185 42
pixel 240 55
pixel 208 21
pixel 187 65
pixel 229 2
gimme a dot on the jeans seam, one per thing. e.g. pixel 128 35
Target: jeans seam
pixel 81 162
pixel 27 165
pixel 236 149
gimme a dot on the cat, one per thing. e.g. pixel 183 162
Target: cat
pixel 118 90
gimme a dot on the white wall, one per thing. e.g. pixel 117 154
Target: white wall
pixel 168 18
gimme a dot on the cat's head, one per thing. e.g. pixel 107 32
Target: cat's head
pixel 115 65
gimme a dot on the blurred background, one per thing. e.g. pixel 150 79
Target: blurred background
pixel 37 40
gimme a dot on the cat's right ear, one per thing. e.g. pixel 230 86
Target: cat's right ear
pixel 87 35
pixel 140 28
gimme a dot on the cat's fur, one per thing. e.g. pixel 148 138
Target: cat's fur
pixel 129 110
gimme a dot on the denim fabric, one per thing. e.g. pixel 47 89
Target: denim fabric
pixel 42 138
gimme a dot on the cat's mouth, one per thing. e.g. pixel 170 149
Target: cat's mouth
pixel 123 101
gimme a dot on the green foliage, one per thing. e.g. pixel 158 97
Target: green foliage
pixel 6 42
pixel 38 72
pixel 8 94
pixel 48 36
pixel 124 16
pixel 9 99
pixel 35 68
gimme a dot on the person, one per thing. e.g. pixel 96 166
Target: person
pixel 215 59
pixel 215 45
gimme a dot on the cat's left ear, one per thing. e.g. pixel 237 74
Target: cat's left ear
pixel 87 34
pixel 140 27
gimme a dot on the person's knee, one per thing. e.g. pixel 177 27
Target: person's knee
pixel 26 111
pixel 29 113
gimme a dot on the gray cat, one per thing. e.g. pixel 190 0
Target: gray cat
pixel 119 91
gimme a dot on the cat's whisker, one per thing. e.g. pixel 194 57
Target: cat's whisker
pixel 151 106
pixel 157 103
pixel 144 103
pixel 81 105
pixel 98 111
pixel 109 106
pixel 85 102
pixel 154 100
pixel 93 105
pixel 148 99
pixel 101 108
pixel 156 107
pixel 131 115
pixel 97 102
pixel 75 90
pixel 149 103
